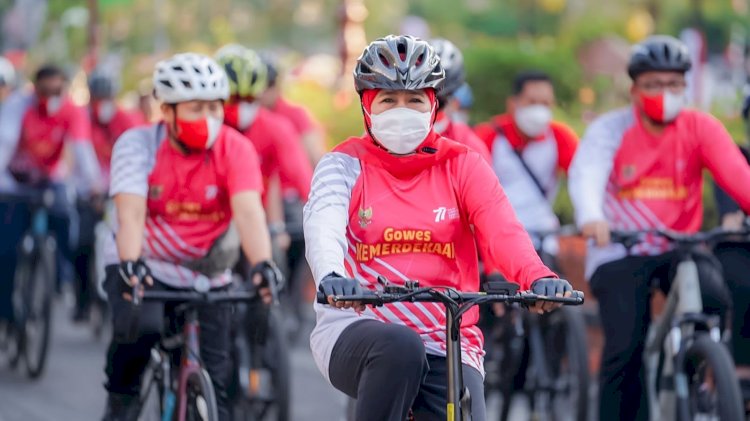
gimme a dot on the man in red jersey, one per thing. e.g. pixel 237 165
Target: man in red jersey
pixel 187 193
pixel 308 130
pixel 640 168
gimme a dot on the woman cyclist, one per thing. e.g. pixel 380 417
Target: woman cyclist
pixel 187 194
pixel 400 202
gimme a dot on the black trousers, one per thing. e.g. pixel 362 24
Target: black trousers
pixel 623 291
pixel 127 357
pixel 385 367
pixel 735 260
pixel 88 217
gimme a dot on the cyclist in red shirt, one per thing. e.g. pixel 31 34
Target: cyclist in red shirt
pixel 400 202
pixel 274 138
pixel 309 131
pixel 641 167
pixel 187 193
pixel 54 151
pixel 108 119
pixel 452 62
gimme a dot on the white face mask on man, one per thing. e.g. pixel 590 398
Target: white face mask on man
pixel 401 130
pixel 533 120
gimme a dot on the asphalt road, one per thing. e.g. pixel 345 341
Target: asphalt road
pixel 71 387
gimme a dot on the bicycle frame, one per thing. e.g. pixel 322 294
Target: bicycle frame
pixel 683 311
pixel 456 304
pixel 674 328
pixel 189 362
pixel 188 340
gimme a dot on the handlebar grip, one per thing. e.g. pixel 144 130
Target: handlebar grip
pixel 579 296
pixel 321 298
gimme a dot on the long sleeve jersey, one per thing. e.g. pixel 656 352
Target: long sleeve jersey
pixel 371 213
pixel 635 180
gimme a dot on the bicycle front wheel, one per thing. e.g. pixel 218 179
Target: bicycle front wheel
pixel 714 392
pixel 37 295
pixel 567 353
pixel 201 399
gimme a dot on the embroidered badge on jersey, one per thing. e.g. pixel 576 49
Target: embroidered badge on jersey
pixel 155 191
pixel 365 217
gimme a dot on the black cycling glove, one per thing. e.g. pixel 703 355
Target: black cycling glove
pixel 549 287
pixel 335 284
pixel 130 268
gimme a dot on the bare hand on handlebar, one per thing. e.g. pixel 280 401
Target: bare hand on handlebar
pixel 598 230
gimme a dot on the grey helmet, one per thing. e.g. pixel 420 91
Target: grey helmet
pixel 398 62
pixel 104 82
pixel 659 53
pixel 452 62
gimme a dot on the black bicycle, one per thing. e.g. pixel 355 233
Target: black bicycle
pixel 689 371
pixel 184 391
pixel 456 304
pixel 543 357
pixel 33 285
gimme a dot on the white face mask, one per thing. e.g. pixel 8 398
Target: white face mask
pixel 673 105
pixel 401 130
pixel 105 112
pixel 533 120
pixel 246 112
pixel 54 104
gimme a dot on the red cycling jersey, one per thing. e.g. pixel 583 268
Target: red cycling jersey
pixel 461 133
pixel 188 196
pixel 280 151
pixel 43 137
pixel 635 180
pixel 371 213
pixel 295 114
pixel 103 136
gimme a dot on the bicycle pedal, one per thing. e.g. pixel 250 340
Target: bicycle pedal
pixel 258 384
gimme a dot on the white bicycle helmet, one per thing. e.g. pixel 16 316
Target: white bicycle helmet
pixel 7 72
pixel 189 77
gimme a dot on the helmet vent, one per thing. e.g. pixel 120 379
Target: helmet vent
pixel 384 60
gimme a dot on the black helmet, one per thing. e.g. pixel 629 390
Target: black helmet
pixel 103 83
pixel 398 62
pixel 659 53
pixel 452 62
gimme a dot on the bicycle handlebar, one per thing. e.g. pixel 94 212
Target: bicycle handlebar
pixel 631 238
pixel 443 295
pixel 199 297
